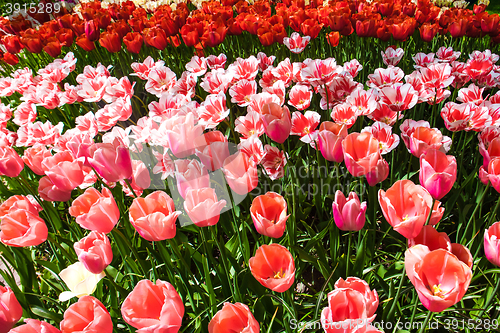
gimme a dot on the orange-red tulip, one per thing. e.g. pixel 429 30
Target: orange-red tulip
pixel 438 172
pixel 361 153
pixel 431 238
pixel 440 278
pixel 10 311
pixel 133 41
pixel 154 216
pixel 234 318
pixel 88 315
pixel 22 228
pixel 153 308
pixel 268 213
pixel 273 267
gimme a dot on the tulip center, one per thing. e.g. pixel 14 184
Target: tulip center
pixel 279 275
pixel 437 291
pixel 405 218
pixel 251 132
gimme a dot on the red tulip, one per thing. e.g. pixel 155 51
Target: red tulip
pixel 133 41
pixel 333 38
pixel 273 267
pixel 234 318
pixel 110 41
pixel 92 30
pixel 268 213
pixel 11 311
pixel 153 307
pixel 16 202
pixel 12 44
pixel 95 211
pixel 88 315
pixel 33 43
pixel 492 244
pixel 94 251
pixel 330 139
pixel 155 37
pixel 154 216
pixel 10 59
pixel 65 37
pixel 438 172
pixel 52 47
pixel 428 31
pixel 370 296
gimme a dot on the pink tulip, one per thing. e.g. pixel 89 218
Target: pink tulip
pixel 212 149
pixel 361 153
pixel 10 311
pixel 95 211
pixel 17 202
pixel 34 326
pixel 111 160
pixel 492 244
pixel 379 173
pixel 440 278
pixel 63 170
pixel 431 238
pixel 190 174
pixel 34 156
pixel 153 308
pixel 268 213
pixel 49 192
pixel 154 216
pixel 202 206
pixel 181 133
pixel 21 228
pixel 370 296
pixel 277 121
pixel 11 164
pixel 330 139
pixel 241 173
pixel 438 172
pixel 94 251
pixel 349 214
pixel 88 315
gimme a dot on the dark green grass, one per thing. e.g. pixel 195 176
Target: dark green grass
pixel 494 7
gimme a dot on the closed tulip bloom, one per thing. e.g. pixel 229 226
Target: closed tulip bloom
pixel 268 213
pixel 111 160
pixel 241 173
pixel 153 308
pixel 202 206
pixel 277 121
pixel 11 164
pixel 330 137
pixel 492 175
pixel 273 267
pixel 348 213
pixel 234 318
pixel 406 207
pixel 154 216
pixel 361 153
pixel 79 281
pixel 379 173
pixel 439 277
pixel 33 158
pixel 438 172
pixel 34 326
pixel 190 174
pixel 94 251
pixel 63 170
pixel 95 211
pixel 21 228
pixel 492 244
pixel 10 311
pixel 88 315
pixel 370 296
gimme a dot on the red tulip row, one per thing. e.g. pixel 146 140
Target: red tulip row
pixel 208 27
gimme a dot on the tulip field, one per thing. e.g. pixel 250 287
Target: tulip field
pixel 238 166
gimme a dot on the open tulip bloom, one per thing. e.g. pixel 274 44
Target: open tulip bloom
pixel 195 166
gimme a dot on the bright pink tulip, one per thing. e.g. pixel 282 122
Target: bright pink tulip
pixel 438 172
pixel 379 173
pixel 94 251
pixel 34 156
pixel 440 278
pixel 21 228
pixel 88 315
pixel 202 206
pixel 49 192
pixel 153 308
pixel 154 216
pixel 492 244
pixel 95 211
pixel 348 213
pixel 11 164
pixel 10 311
pixel 34 326
pixel 361 153
pixel 273 267
pixel 370 296
pixel 277 121
pixel 330 139
pixel 212 149
pixel 190 174
pixel 406 207
pixel 268 213
pixel 111 160
pixel 234 318
pixel 63 170
pixel 492 175
pixel 241 173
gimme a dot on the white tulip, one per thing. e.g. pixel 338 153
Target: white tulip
pixel 79 280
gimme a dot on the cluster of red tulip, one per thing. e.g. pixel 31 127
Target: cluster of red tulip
pixel 208 26
pixel 191 149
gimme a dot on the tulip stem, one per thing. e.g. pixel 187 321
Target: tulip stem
pixel 426 322
pixel 130 187
pixel 430 212
pixel 390 315
pixel 480 203
pixel 491 297
pixel 494 212
pixel 348 259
